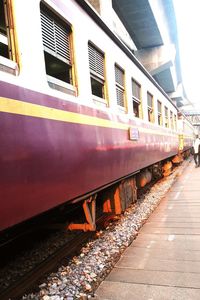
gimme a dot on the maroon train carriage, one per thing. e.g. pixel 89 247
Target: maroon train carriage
pixel 53 151
pixel 56 150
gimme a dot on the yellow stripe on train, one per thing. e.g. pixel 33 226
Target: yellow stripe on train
pixel 44 112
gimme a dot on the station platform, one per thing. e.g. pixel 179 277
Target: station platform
pixel 163 262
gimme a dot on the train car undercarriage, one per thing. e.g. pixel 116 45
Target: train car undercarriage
pixel 119 196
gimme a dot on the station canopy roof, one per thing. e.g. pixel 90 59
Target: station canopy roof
pixel 152 26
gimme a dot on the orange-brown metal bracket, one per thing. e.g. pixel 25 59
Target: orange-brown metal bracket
pixel 117 201
pixel 107 206
pixel 177 158
pixel 113 203
pixel 167 168
pixel 89 208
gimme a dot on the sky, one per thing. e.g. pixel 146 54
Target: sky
pixel 188 25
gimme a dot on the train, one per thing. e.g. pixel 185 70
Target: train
pixel 80 116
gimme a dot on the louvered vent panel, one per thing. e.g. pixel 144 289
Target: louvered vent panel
pixel 62 41
pixel 119 76
pixel 48 35
pixel 91 53
pixel 136 89
pixel 55 37
pixel 120 97
pixel 96 60
pixel 149 100
pixel 159 107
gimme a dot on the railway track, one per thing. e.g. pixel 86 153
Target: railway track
pixel 29 280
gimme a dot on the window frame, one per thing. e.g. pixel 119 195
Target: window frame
pixel 166 112
pixel 159 112
pixel 150 109
pixel 67 85
pixel 171 120
pixel 119 87
pixel 175 121
pixel 95 75
pixel 135 99
pixel 9 63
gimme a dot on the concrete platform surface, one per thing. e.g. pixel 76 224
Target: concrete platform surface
pixel 163 263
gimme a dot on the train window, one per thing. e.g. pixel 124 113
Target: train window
pixel 175 122
pixel 119 83
pixel 166 117
pixel 159 112
pixel 96 64
pixel 150 107
pixel 57 48
pixel 136 98
pixel 4 50
pixel 7 47
pixel 171 120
